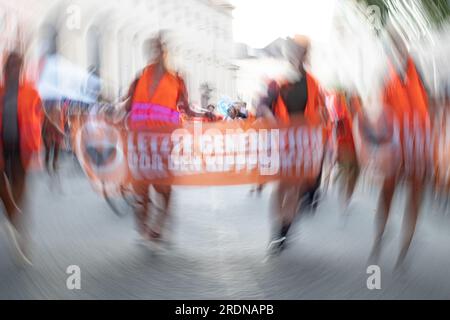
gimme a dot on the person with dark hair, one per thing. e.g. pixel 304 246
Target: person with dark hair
pixel 211 114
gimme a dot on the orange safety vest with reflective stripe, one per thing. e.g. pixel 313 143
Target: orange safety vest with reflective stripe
pixel 160 108
pixel 30 118
pixel 312 112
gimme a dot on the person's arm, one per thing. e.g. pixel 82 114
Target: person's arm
pixel 183 104
pixel 264 108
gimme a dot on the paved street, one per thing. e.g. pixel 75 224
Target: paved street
pixel 219 236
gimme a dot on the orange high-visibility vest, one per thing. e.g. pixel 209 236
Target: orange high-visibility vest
pixel 30 117
pixel 312 112
pixel 161 107
pixel 406 98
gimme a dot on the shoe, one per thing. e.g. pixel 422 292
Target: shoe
pixel 277 246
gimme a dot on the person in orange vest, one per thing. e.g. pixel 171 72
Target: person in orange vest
pixel 158 97
pixel 406 102
pixel 21 117
pixel 302 96
pixel 211 115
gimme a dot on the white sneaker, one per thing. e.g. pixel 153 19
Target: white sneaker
pixel 276 246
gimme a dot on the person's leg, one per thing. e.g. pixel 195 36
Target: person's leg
pixel 13 183
pixel 12 191
pixel 7 199
pixel 15 224
pixel 342 178
pixel 280 198
pixel 165 192
pixel 329 167
pixel 312 194
pixel 280 229
pixel 48 150
pixel 384 206
pixel 410 217
pixel 289 207
pixel 141 209
pixel 56 150
pixel 286 201
pixel 352 178
pixel 259 188
pixel 18 183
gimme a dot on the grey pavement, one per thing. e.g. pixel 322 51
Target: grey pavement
pixel 218 239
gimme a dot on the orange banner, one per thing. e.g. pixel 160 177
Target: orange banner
pixel 245 152
pixel 197 153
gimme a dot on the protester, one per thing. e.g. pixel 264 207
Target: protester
pixel 405 105
pixel 20 126
pixel 300 97
pixel 158 97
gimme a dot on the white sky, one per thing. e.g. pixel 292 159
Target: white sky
pixel 258 22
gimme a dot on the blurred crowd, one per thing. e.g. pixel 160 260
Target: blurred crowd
pixel 389 120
